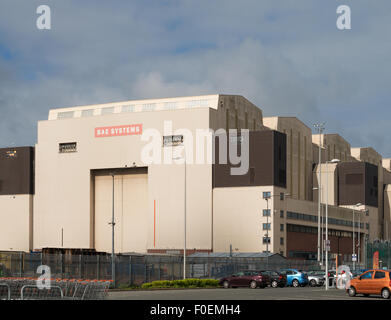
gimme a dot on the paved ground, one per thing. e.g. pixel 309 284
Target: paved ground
pixel 288 293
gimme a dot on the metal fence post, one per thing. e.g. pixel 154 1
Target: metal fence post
pixel 130 271
pixel 62 265
pixel 172 268
pixel 80 274
pixel 159 269
pixel 20 264
pixel 97 266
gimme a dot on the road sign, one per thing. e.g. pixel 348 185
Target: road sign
pixel 171 141
pixel 354 257
pixel 326 245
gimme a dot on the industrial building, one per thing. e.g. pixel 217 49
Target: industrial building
pixel 59 194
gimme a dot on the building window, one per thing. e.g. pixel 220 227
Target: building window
pixel 87 113
pixel 266 212
pixel 266 226
pixel 170 105
pixel 266 240
pixel 67 147
pixel 65 115
pixel 127 108
pixel 282 253
pixel 281 227
pixel 149 107
pixel 282 196
pixel 281 241
pixel 281 213
pixel 266 194
pixel 107 110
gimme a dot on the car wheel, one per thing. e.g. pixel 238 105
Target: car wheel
pixel 352 291
pixel 313 283
pixel 274 284
pixel 226 284
pixel 385 293
pixel 295 283
pixel 253 284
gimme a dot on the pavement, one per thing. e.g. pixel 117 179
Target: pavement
pixel 287 293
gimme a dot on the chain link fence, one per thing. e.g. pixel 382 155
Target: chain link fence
pixel 133 270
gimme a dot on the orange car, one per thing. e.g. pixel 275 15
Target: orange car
pixel 377 282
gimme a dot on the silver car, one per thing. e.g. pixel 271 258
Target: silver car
pixel 316 278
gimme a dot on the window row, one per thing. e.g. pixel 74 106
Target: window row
pixel 312 218
pixel 314 230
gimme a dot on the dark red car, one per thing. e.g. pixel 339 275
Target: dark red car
pixel 249 278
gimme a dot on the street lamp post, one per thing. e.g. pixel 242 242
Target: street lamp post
pixel 112 239
pixel 359 237
pixel 320 127
pixel 185 218
pixel 327 222
pixel 354 239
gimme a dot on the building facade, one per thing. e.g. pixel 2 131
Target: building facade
pixel 124 157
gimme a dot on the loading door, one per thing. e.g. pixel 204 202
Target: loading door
pixel 130 212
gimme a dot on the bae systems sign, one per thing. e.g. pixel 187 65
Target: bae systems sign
pixel 125 130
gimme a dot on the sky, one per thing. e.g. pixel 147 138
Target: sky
pixel 286 56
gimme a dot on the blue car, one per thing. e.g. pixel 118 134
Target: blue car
pixel 295 277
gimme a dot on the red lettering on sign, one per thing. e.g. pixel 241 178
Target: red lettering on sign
pixel 115 131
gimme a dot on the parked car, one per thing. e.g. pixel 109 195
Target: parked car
pixel 295 277
pixel 276 279
pixel 316 278
pixel 376 282
pixel 249 278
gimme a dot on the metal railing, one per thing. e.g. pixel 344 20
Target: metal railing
pixel 133 270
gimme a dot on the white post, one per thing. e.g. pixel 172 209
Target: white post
pixel 319 191
pixel 359 236
pixel 184 250
pixel 327 231
pixel 112 239
pixel 354 251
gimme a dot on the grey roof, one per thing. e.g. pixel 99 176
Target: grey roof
pixel 234 254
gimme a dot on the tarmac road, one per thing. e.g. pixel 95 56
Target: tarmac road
pixel 287 293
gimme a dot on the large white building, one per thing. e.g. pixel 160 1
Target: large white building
pixel 82 151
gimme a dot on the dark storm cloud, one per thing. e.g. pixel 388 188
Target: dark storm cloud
pixel 286 56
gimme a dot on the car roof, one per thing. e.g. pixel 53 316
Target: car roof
pixel 376 270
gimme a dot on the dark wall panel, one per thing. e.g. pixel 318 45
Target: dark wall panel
pixel 357 183
pixel 267 162
pixel 17 170
pixel 371 185
pixel 279 160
